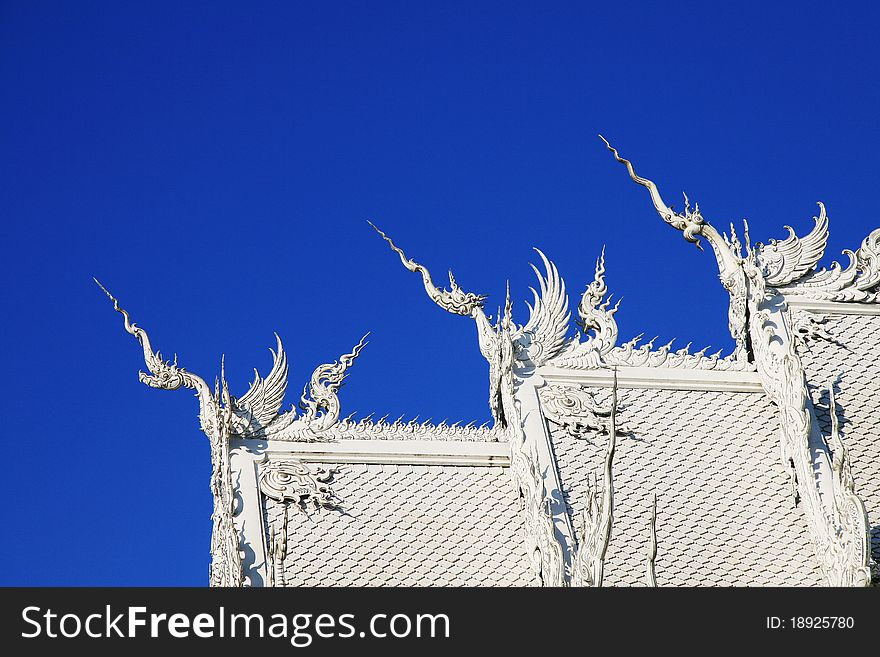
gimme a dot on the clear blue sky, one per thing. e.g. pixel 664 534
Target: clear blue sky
pixel 215 164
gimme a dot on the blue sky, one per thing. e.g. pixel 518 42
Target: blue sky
pixel 215 166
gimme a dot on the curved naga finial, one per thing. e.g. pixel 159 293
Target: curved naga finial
pixel 251 413
pixel 165 375
pixel 494 341
pixel 455 300
pixel 254 415
pixel 691 223
pixel 727 254
pixel 786 261
pixel 215 416
pixel 539 340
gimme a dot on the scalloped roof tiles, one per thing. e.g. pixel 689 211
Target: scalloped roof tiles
pixel 855 357
pixel 409 525
pixel 725 514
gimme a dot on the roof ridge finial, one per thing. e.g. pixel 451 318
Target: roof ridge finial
pixel 691 223
pixel 455 300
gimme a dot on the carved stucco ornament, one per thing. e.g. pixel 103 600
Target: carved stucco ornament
pixel 543 336
pixel 849 511
pixel 496 342
pixel 222 418
pixel 650 567
pixel 808 328
pixel 294 481
pixel 509 347
pixel 542 546
pixel 859 281
pixel 576 410
pixel 588 564
pixel 782 262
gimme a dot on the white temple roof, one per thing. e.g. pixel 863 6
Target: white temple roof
pixel 762 476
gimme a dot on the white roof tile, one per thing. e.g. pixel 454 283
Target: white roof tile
pixel 406 525
pixel 725 516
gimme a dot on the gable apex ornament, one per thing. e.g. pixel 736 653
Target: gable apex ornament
pixel 764 335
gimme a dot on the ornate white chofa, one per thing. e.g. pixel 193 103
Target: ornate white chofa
pixel 727 253
pixel 496 342
pixel 216 418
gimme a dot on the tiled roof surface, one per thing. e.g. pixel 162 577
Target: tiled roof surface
pixel 409 525
pixel 854 356
pixel 725 513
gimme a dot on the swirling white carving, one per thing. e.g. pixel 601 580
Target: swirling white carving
pixel 588 566
pixel 786 261
pixel 859 281
pixel 294 481
pixel 544 334
pixel 541 543
pixel 577 411
pixel 837 525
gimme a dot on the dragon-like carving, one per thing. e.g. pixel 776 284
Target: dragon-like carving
pixel 576 410
pixel 319 400
pixel 691 223
pixel 759 326
pixel 835 514
pixel 222 418
pixel 596 319
pixel 320 403
pixel 293 481
pixel 495 341
pixel 537 341
pixel 848 511
pixel 808 328
pixel 594 312
pixel 454 300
